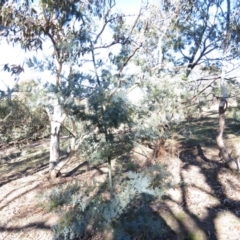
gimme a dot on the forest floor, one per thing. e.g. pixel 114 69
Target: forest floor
pixel 204 203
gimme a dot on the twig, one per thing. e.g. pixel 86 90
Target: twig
pixel 4 120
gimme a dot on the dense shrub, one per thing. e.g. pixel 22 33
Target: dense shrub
pixel 127 215
pixel 20 123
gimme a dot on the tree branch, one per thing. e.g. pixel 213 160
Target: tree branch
pixel 119 81
pixel 5 119
pixel 201 91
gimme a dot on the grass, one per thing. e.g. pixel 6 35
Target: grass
pixel 192 236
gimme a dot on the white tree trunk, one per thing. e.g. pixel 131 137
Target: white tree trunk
pixel 54 144
pixel 223 105
pixel 59 165
pixel 56 120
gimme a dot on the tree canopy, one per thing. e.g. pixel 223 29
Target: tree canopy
pixel 174 51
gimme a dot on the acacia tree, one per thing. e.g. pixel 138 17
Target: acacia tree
pixel 160 105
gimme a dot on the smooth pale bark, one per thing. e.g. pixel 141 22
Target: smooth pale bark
pixel 74 147
pixel 231 162
pixel 59 165
pixel 110 177
pixel 57 168
pixel 223 105
pixel 54 145
pixel 56 120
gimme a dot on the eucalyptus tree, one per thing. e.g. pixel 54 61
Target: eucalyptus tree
pixel 195 43
pixel 87 46
pixel 230 50
pixel 206 49
pixel 56 22
pixel 191 46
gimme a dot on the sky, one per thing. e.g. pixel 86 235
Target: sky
pixel 128 6
pixel 15 55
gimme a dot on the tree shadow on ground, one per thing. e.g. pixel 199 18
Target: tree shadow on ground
pixel 191 156
pixel 139 221
pixel 36 225
pixel 31 159
pixel 22 191
pixel 15 169
pixel 15 224
pixel 204 130
pixel 117 219
pixel 77 170
pixel 139 214
pixel 211 170
pixel 41 225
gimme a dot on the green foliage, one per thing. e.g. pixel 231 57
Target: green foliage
pixel 60 196
pixel 128 214
pixel 109 112
pixel 236 114
pixel 105 116
pixel 160 110
pixel 131 166
pixel 21 121
pixel 141 223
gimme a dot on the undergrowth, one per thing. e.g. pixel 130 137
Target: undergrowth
pixel 127 216
pixel 59 196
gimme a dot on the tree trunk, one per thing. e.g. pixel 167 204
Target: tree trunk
pixel 56 120
pixel 57 168
pixel 110 177
pixel 55 171
pixel 231 162
pixel 54 148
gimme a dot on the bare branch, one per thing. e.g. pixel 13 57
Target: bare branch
pixel 94 65
pixel 120 71
pixel 209 85
pixel 5 119
pixel 106 21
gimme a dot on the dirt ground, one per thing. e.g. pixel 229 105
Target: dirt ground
pixel 204 204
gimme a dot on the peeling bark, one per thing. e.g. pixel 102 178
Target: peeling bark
pixel 56 120
pixel 55 171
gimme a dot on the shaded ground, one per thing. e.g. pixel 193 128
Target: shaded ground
pixel 205 203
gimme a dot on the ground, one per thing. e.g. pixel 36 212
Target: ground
pixel 203 204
